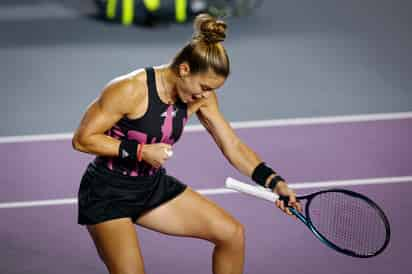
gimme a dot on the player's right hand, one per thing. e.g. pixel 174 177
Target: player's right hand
pixel 156 154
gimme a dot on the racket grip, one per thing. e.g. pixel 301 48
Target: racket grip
pixel 257 191
pixel 285 199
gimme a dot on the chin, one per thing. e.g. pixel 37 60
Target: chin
pixel 183 99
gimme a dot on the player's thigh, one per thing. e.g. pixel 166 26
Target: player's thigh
pixel 118 245
pixel 191 214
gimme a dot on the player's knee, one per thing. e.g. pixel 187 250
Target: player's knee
pixel 231 232
pixel 127 270
pixel 131 267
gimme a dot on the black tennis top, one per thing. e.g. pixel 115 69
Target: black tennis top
pixel 162 123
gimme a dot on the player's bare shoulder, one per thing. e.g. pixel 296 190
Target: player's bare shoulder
pixel 130 85
pixel 127 92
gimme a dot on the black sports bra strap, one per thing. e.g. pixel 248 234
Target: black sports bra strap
pixel 151 83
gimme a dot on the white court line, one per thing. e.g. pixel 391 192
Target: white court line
pixel 217 191
pixel 244 124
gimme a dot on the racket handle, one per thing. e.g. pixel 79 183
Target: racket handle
pixel 257 191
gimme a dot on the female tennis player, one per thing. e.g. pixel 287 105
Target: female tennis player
pixel 131 128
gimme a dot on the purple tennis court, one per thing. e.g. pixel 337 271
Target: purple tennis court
pixel 45 239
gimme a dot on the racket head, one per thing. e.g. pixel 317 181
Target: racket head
pixel 347 221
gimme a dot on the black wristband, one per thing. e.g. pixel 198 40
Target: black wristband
pixel 274 181
pixel 261 173
pixel 128 149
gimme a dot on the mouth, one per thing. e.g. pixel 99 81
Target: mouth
pixel 191 98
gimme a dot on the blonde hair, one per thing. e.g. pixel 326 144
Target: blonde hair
pixel 205 50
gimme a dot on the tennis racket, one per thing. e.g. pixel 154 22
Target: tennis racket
pixel 344 220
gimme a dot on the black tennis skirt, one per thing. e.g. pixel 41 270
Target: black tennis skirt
pixel 104 195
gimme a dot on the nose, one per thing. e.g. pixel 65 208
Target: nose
pixel 205 94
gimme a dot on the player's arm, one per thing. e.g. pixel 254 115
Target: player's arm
pixel 241 156
pixel 116 100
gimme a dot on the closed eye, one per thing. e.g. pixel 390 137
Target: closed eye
pixel 206 88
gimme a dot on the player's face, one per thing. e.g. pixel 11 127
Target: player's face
pixel 192 87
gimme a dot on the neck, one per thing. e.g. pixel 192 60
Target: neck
pixel 168 80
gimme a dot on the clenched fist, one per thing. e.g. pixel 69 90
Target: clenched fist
pixel 156 154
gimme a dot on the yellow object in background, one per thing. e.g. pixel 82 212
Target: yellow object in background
pixel 127 12
pixel 151 5
pixel 111 9
pixel 181 10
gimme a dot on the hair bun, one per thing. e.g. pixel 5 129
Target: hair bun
pixel 209 29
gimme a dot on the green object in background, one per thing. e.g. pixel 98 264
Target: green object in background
pixel 127 12
pixel 111 9
pixel 152 5
pixel 181 10
pixel 149 12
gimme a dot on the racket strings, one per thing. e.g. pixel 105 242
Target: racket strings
pixel 348 222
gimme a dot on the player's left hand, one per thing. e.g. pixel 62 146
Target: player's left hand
pixel 283 190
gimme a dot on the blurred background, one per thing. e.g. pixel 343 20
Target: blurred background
pixel 290 60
